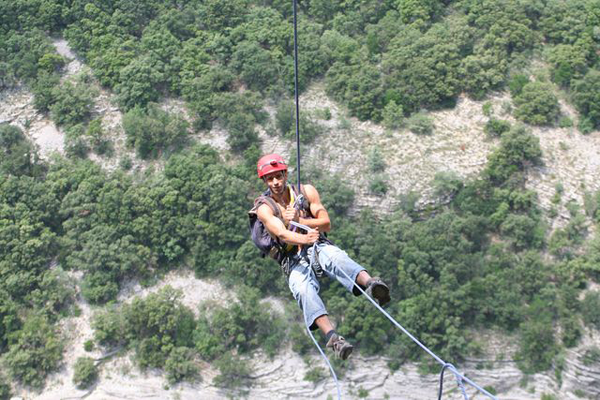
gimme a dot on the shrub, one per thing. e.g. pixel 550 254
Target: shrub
pixel 537 346
pixel 36 352
pixel 85 372
pixel 522 230
pixel 156 325
pixel 565 122
pixel 591 356
pixel 17 154
pixel 586 96
pixel 537 104
pixel 125 163
pixel 5 391
pixel 496 127
pixel 447 184
pixel 234 372
pixel 285 117
pixel 487 109
pixel 585 125
pixel 315 375
pixel 88 345
pixel 518 149
pixel 140 82
pixel 590 308
pixel 568 62
pixel 9 320
pixel 420 124
pixel 43 91
pixel 76 148
pixel 100 144
pixel 393 115
pixel 109 327
pixel 285 121
pixel 243 326
pixel 72 102
pixel 254 65
pixel 239 114
pixel 378 185
pixel 517 83
pixel 180 365
pixel 376 160
pixel 153 130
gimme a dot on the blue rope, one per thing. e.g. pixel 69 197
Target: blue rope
pixel 459 377
pixel 337 385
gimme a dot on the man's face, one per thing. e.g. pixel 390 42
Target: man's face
pixel 276 181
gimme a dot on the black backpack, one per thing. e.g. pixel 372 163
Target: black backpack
pixel 267 244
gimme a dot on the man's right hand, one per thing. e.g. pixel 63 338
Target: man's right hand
pixel 312 236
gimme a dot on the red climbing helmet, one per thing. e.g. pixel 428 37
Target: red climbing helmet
pixel 270 163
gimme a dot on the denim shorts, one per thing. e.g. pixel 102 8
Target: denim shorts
pixel 304 284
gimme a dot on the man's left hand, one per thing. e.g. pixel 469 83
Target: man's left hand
pixel 290 214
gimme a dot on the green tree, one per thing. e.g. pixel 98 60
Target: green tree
pixel 9 320
pixel 537 104
pixel 496 127
pixel 587 98
pixel 243 326
pixel 568 63
pixel 142 81
pixel 85 372
pixel 589 309
pixel 5 389
pixel 418 13
pixel 420 124
pixel 18 154
pixel 72 101
pixel 215 15
pixel 254 65
pixel 43 91
pixel 153 131
pixel 518 149
pixel 180 365
pixel 36 352
pixel 393 115
pixel 425 68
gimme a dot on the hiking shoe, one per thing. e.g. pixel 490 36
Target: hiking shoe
pixel 341 348
pixel 378 290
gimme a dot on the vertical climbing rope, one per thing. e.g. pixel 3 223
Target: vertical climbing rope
pixel 296 96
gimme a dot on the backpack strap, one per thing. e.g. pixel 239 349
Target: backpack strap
pixel 268 200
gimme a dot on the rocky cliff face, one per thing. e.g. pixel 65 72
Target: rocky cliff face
pixel 458 144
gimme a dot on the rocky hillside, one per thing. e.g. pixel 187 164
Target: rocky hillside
pixel 458 144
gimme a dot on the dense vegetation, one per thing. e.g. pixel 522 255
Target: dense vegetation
pixel 476 259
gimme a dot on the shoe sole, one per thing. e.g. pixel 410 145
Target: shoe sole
pixel 381 293
pixel 346 351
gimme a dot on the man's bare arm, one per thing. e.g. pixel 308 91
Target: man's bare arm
pixel 276 228
pixel 321 217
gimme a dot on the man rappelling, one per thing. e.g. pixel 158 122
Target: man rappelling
pixel 290 226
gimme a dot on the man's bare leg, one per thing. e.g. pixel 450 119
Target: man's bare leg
pixel 324 324
pixel 362 278
pixel 341 348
